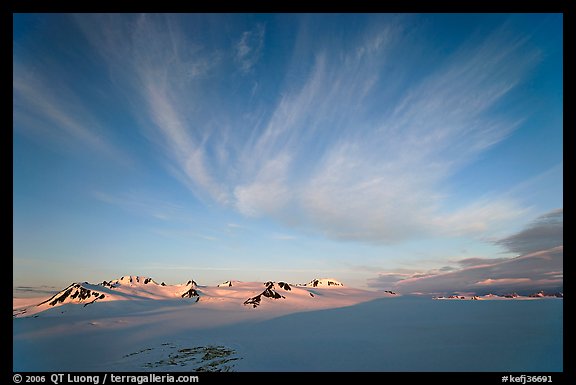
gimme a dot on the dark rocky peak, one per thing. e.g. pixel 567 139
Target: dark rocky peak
pixel 324 282
pixel 269 292
pixel 284 285
pixel 74 293
pixel 190 293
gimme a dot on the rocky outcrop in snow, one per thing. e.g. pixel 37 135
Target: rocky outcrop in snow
pixel 190 293
pixel 269 292
pixel 138 288
pixel 190 290
pixel 284 286
pixel 324 282
pixel 131 280
pixel 74 293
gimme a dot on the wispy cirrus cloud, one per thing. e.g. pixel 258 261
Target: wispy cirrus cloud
pixel 51 111
pixel 352 146
pixel 379 166
pixel 248 49
pixel 142 205
pixel 159 68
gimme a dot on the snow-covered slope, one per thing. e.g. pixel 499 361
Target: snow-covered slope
pixel 275 296
pixel 135 324
pixel 297 333
pixel 126 288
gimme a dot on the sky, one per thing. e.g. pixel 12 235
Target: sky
pixel 421 153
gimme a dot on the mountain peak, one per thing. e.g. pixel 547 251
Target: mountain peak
pixel 76 292
pixel 269 292
pixel 133 280
pixel 324 282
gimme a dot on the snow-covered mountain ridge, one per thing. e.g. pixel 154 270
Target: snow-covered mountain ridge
pixel 318 293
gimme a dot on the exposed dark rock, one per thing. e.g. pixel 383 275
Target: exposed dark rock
pixel 162 284
pixel 254 301
pixel 147 280
pixel 311 295
pixel 284 286
pixel 88 303
pixel 269 292
pixel 317 282
pixel 390 292
pixel 109 284
pixel 74 291
pixel 190 293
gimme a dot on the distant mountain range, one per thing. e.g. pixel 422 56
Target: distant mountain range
pixel 539 294
pixel 140 288
pixel 133 290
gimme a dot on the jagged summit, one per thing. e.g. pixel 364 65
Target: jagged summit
pixel 129 280
pixel 75 293
pixel 135 279
pixel 324 282
pixel 269 292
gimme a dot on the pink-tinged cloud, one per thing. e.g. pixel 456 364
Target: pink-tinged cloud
pixel 524 274
pixel 539 268
pixel 503 281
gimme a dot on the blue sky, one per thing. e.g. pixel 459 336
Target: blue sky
pixel 382 150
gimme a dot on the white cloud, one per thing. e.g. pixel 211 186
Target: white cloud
pixel 503 281
pixel 379 181
pixel 348 149
pixel 248 49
